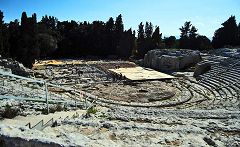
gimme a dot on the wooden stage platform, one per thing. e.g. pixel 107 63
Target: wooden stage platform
pixel 141 74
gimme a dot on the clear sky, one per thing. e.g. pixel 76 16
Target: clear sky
pixel 170 15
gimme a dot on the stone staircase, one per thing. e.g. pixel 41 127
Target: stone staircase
pixel 40 122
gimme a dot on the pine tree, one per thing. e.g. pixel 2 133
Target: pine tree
pixel 193 32
pixel 202 43
pixel 226 35
pixel 188 36
pixel 185 29
pixel 170 42
pixel 184 37
pixel 193 38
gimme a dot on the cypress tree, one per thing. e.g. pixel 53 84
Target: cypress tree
pixel 4 36
pixel 156 38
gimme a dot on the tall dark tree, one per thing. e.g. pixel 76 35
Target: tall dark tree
pixel 14 38
pixel 203 43
pixel 110 36
pixel 170 42
pixel 127 43
pixel 238 36
pixel 4 46
pixel 148 30
pixel 110 26
pixel 119 28
pixel 226 35
pixel 50 22
pixel 147 39
pixel 193 32
pixel 140 40
pixel 184 41
pixel 48 36
pixel 193 38
pixel 28 49
pixel 157 38
pixel 141 33
pixel 119 25
pixel 190 39
pixel 185 29
pixel 148 42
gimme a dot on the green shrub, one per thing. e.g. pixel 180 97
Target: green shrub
pixel 92 110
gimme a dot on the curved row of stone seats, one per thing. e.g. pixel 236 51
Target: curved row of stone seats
pixel 205 89
pixel 230 76
pixel 236 88
pixel 214 71
pixel 11 86
pixel 211 89
pixel 198 93
pixel 225 82
pixel 203 95
pixel 233 92
pixel 233 77
pixel 221 85
pixel 219 70
pixel 220 96
pixel 225 66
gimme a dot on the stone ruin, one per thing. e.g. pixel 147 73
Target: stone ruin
pixel 12 66
pixel 170 59
pixel 204 111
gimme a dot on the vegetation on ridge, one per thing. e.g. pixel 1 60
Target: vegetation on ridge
pixel 28 40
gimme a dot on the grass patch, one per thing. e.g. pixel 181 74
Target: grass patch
pixel 92 110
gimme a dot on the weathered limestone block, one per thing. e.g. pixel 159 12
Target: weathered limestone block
pixel 201 68
pixel 171 60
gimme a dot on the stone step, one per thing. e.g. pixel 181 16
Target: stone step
pixel 222 81
pixel 212 83
pixel 232 91
pixel 210 89
pixel 35 119
pixel 231 77
pixel 209 84
pixel 234 70
pixel 225 92
pixel 236 88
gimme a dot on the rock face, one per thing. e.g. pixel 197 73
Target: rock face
pixel 11 66
pixel 201 68
pixel 171 60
